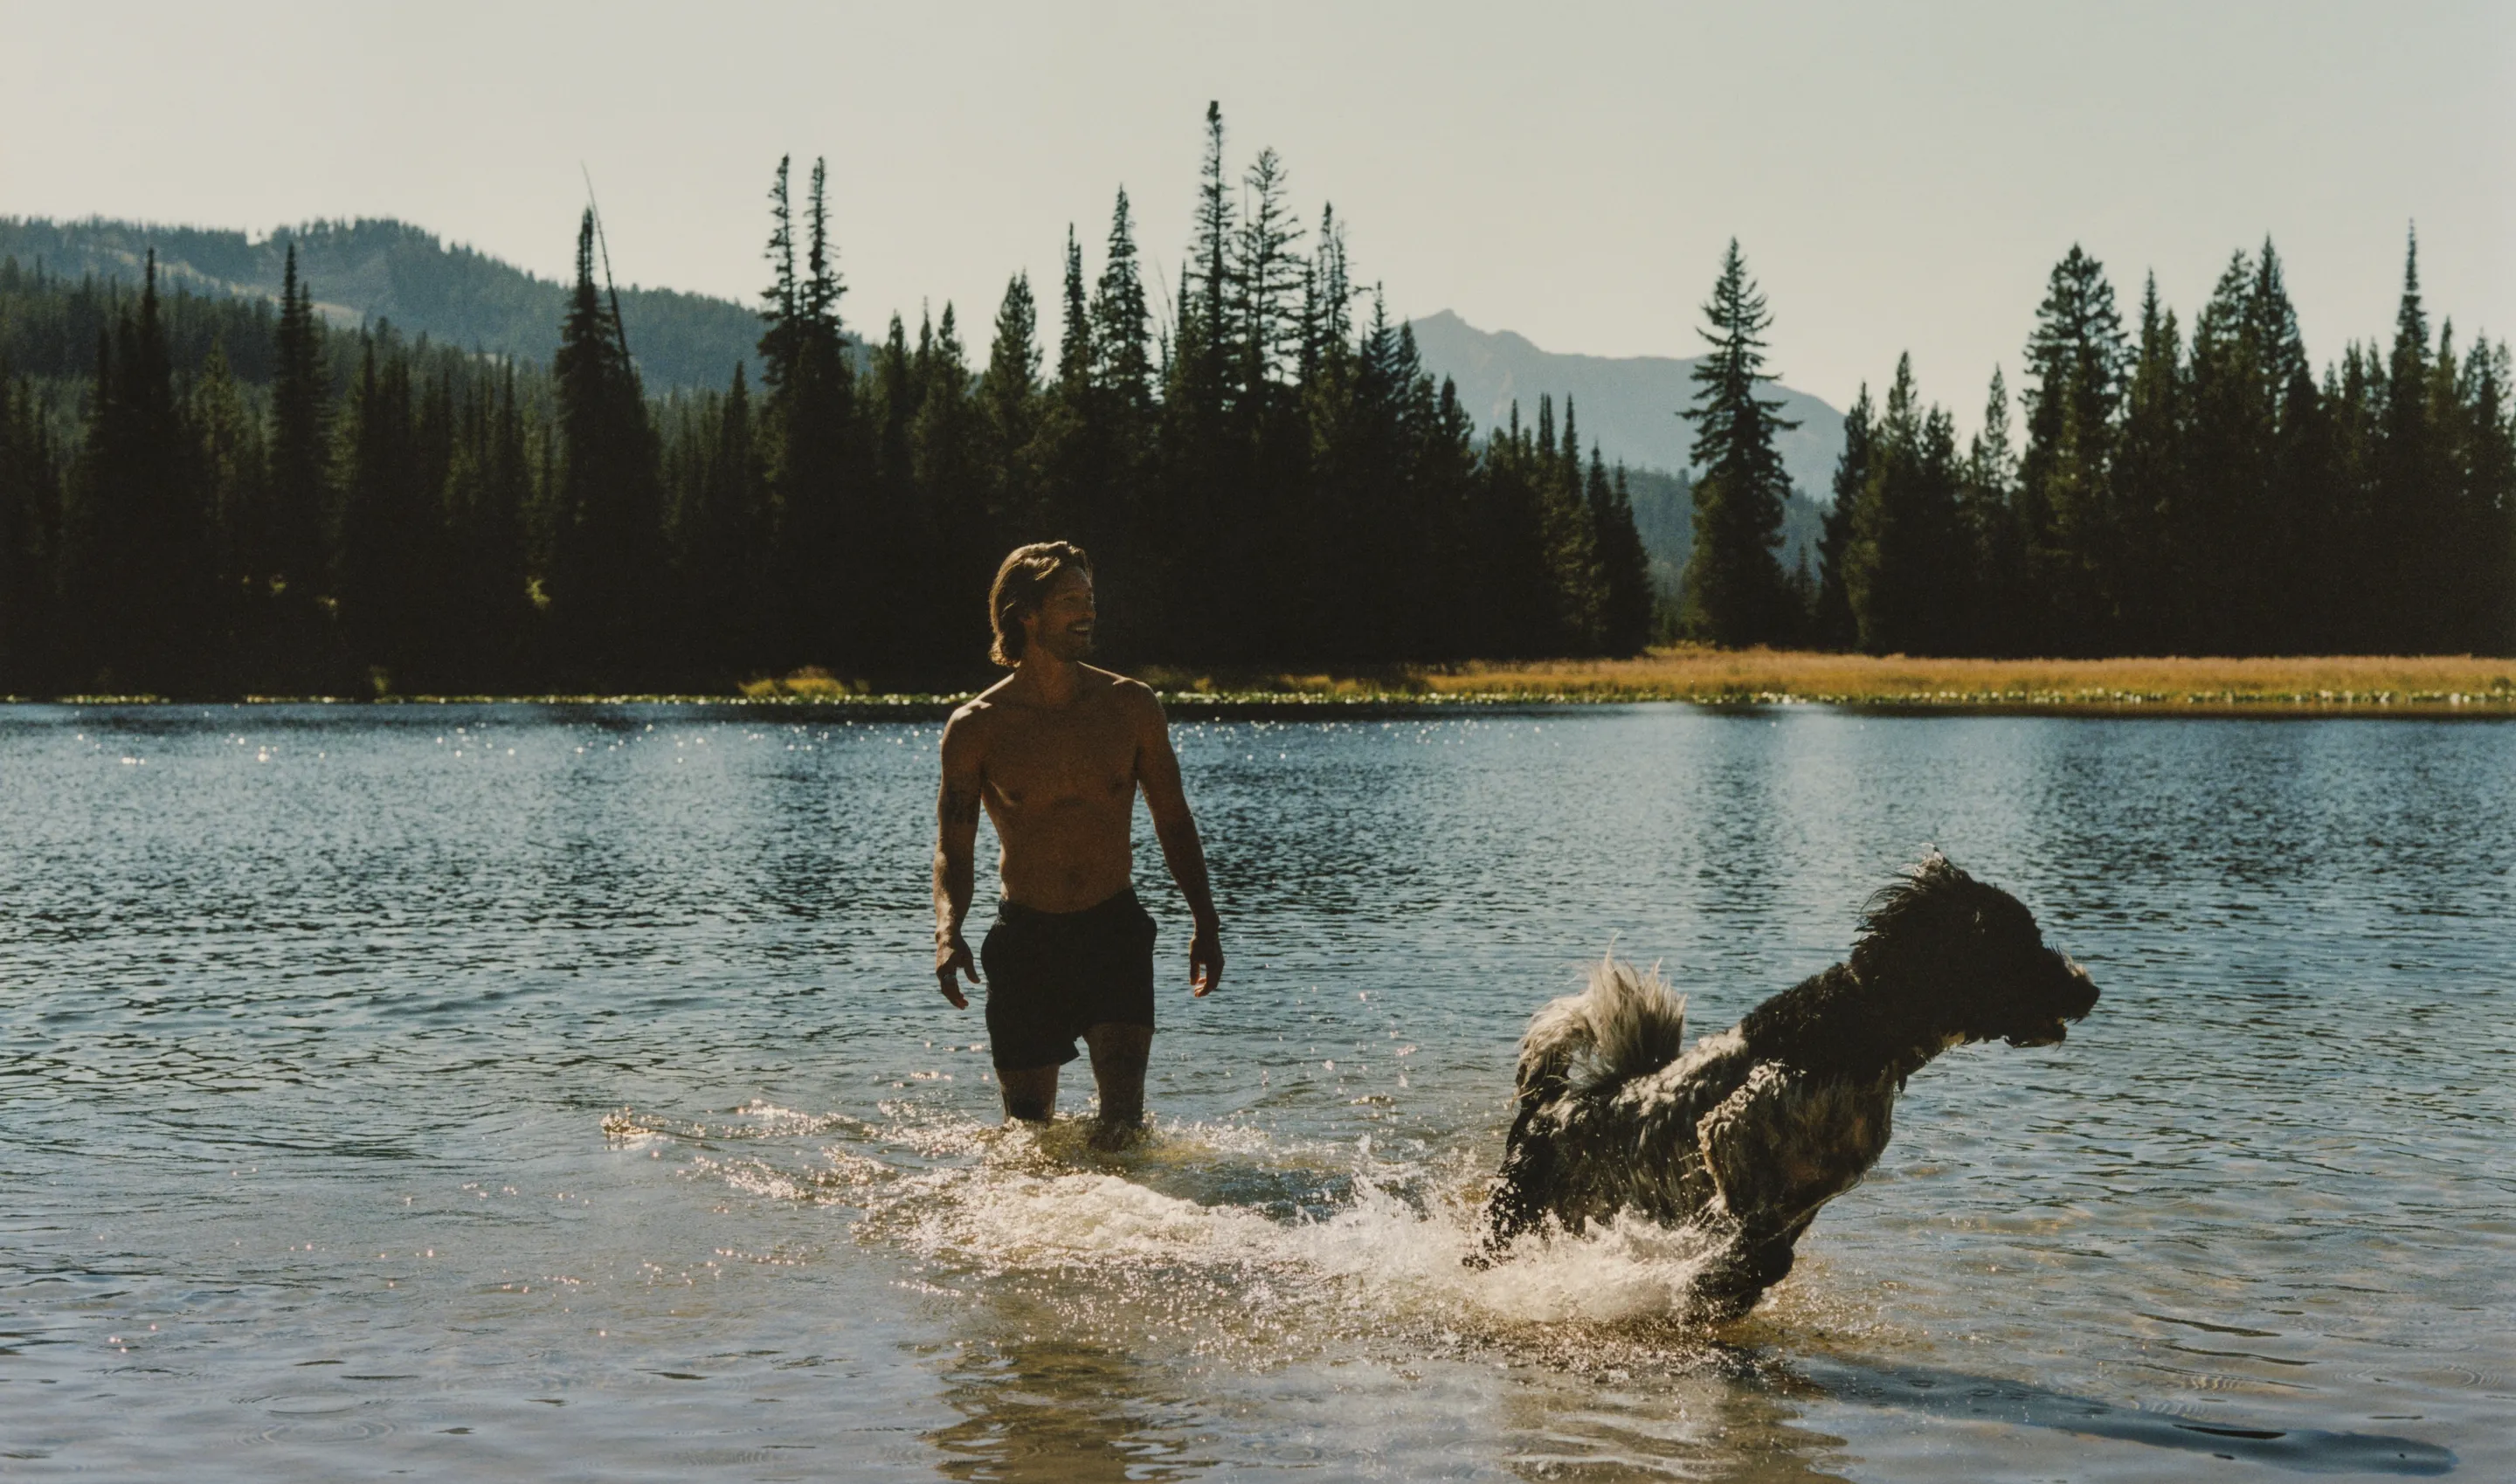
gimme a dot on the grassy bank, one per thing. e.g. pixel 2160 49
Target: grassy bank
pixel 2446 684
pixel 2302 685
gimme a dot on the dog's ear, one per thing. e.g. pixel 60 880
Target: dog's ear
pixel 1929 888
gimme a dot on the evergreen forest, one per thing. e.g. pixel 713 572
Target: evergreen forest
pixel 2175 493
pixel 227 496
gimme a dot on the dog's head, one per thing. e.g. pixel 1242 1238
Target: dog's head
pixel 1975 952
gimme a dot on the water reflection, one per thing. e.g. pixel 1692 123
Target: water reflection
pixel 1040 1407
pixel 1703 1425
pixel 1983 1398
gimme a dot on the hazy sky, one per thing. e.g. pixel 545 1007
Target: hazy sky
pixel 1900 176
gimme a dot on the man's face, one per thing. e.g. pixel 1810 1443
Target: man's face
pixel 1063 626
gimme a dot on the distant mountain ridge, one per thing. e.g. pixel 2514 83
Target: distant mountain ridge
pixel 383 269
pixel 380 268
pixel 1628 406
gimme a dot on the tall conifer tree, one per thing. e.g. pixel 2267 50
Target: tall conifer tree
pixel 1009 393
pixel 1834 625
pixel 605 562
pixel 291 553
pixel 2411 525
pixel 1733 586
pixel 1625 567
pixel 1986 508
pixel 2075 364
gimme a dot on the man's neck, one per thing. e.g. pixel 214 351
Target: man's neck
pixel 1047 681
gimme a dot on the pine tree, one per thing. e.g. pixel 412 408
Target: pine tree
pixel 1906 570
pixel 2298 506
pixel 2414 514
pixel 1519 615
pixel 2236 535
pixel 2350 559
pixel 289 553
pixel 1625 605
pixel 782 303
pixel 2159 585
pixel 1986 510
pixel 1266 283
pixel 1074 442
pixel 606 558
pixel 959 554
pixel 1076 352
pixel 1009 413
pixel 808 434
pixel 1129 553
pixel 2075 363
pixel 1571 543
pixel 1206 333
pixel 135 560
pixel 1203 471
pixel 1121 326
pixel 385 537
pixel 1734 587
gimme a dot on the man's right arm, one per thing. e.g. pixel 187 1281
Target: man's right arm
pixel 956 843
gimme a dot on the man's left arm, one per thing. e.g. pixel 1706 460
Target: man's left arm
pixel 1158 769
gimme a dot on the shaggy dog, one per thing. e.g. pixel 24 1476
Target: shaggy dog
pixel 1748 1133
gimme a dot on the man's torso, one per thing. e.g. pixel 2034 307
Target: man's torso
pixel 1060 785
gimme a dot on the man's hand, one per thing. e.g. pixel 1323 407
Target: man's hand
pixel 953 960
pixel 1205 959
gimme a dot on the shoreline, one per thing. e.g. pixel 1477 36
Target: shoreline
pixel 2267 687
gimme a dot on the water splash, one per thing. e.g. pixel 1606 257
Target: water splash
pixel 1254 1230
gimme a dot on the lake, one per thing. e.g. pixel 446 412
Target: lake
pixel 562 1092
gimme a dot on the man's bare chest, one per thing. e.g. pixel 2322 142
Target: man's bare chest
pixel 1050 761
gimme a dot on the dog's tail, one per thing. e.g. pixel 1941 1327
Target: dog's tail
pixel 1626 1024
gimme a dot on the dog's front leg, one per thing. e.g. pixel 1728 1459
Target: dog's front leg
pixel 1777 1149
pixel 1739 1271
pixel 1517 1198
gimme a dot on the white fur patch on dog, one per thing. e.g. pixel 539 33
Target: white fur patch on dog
pixel 1629 1023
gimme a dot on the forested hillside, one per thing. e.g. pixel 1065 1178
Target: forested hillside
pixel 222 493
pixel 213 496
pixel 388 270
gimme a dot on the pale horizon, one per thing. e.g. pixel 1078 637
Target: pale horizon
pixel 1904 182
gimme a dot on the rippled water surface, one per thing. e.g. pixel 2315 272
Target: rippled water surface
pixel 562 1093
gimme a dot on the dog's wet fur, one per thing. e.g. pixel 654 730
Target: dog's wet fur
pixel 1745 1134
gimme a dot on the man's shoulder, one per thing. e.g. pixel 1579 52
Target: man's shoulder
pixel 973 716
pixel 1125 690
pixel 985 701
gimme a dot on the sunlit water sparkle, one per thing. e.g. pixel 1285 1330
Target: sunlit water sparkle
pixel 560 1092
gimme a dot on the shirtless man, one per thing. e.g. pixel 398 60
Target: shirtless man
pixel 1054 752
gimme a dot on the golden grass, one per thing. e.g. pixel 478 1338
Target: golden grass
pixel 2303 686
pixel 2308 683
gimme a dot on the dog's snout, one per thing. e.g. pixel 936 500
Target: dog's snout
pixel 2079 992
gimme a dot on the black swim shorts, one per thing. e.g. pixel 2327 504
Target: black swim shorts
pixel 1053 975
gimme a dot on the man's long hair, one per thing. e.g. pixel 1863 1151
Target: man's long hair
pixel 1022 585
